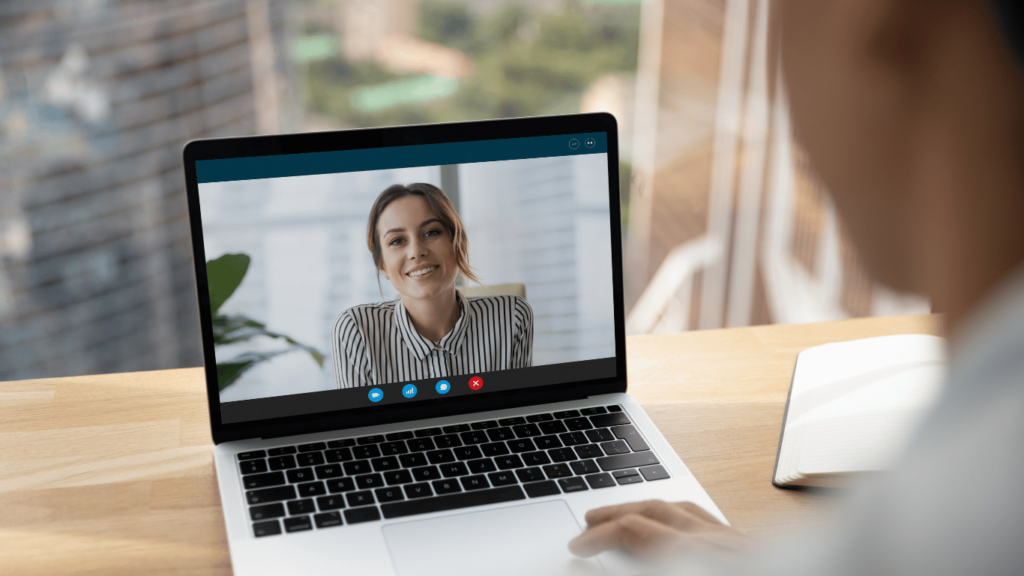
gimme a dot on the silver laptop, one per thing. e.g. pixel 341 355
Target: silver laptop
pixel 415 350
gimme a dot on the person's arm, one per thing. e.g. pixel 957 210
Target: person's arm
pixel 351 361
pixel 522 339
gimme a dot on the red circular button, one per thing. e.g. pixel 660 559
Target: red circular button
pixel 476 382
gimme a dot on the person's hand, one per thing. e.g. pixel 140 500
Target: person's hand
pixel 654 529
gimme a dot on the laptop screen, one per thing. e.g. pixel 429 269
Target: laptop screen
pixel 385 276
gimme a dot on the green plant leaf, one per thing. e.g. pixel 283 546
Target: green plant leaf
pixel 223 275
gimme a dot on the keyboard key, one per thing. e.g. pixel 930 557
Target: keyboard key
pixel 281 451
pixel 574 424
pixel 503 478
pixel 369 481
pixel 310 459
pixel 582 467
pixel 511 421
pixel 340 485
pixel 452 502
pixel 592 411
pixel 440 456
pixel 599 435
pixel 473 437
pixel 397 477
pixel 297 524
pixel 447 441
pixel 346 443
pixel 374 439
pixel 269 528
pixel 357 515
pixel 330 502
pixel 615 447
pixel 526 431
pixel 427 432
pixel 426 473
pixel 500 434
pixel 311 489
pixel 631 460
pixel 301 475
pixel 421 444
pixel 447 486
pixel 267 511
pixel 385 464
pixel 357 467
pixel 508 462
pixel 561 455
pixel 366 452
pixel 652 473
pixel 589 451
pixel 529 475
pixel 632 437
pixel 338 455
pixel 483 425
pixel 389 494
pixel 270 495
pixel 540 418
pixel 313 447
pixel 609 420
pixel 536 459
pixel 263 480
pixel 359 498
pixel 252 455
pixel 494 449
pixel 614 408
pixel 329 471
pixel 635 478
pixel 481 466
pixel 566 414
pixel 573 438
pixel 554 471
pixel 398 436
pixel 546 442
pixel 412 460
pixel 252 466
pixel 603 480
pixel 554 427
pixel 467 452
pixel 421 490
pixel 520 445
pixel 393 448
pixel 327 519
pixel 538 489
pixel 456 469
pixel 297 507
pixel 574 484
pixel 456 428
pixel 474 482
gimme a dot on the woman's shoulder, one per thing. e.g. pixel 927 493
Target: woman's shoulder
pixel 362 313
pixel 508 301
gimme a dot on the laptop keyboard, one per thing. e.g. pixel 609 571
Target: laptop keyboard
pixel 326 484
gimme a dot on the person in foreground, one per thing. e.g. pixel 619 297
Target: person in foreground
pixel 417 240
pixel 912 112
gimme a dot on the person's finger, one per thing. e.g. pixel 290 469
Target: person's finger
pixel 633 532
pixel 675 515
pixel 696 510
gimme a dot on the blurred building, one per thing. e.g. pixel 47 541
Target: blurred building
pixel 97 100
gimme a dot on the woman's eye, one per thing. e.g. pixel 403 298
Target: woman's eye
pixel 395 242
pixel 431 232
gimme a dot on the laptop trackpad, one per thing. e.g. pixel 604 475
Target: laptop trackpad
pixel 527 539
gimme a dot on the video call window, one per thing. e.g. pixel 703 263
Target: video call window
pixel 360 269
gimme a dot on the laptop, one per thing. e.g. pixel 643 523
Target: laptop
pixel 415 350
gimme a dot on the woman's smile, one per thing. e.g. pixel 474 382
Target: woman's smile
pixel 421 271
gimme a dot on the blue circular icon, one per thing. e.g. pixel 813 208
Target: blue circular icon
pixel 408 391
pixel 443 387
pixel 376 394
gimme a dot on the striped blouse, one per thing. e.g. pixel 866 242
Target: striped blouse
pixel 377 343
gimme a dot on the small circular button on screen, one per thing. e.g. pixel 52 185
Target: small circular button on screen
pixel 476 383
pixel 409 390
pixel 590 142
pixel 443 387
pixel 574 144
pixel 375 395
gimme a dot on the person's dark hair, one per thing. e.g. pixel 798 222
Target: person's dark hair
pixel 439 204
pixel 1010 14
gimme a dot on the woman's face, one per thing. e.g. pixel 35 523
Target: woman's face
pixel 417 252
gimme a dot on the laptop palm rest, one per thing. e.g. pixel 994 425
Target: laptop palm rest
pixel 517 540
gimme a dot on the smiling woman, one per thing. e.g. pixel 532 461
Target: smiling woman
pixel 419 244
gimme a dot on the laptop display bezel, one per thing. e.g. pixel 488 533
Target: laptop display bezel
pixel 223 148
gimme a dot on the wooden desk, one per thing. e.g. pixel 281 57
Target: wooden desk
pixel 114 474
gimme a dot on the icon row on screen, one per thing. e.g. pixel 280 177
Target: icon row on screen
pixel 442 387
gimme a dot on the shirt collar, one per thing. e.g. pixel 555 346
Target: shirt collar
pixel 418 345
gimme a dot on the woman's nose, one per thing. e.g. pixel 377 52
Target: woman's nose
pixel 416 249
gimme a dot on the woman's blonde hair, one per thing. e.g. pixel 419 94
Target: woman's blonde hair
pixel 439 204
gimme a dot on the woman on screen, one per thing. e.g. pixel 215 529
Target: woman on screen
pixel 418 243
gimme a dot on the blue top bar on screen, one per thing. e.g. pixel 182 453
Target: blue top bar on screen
pixel 283 165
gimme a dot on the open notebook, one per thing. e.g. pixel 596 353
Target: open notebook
pixel 853 405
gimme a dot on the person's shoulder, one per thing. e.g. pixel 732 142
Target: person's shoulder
pixel 360 313
pixel 507 301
